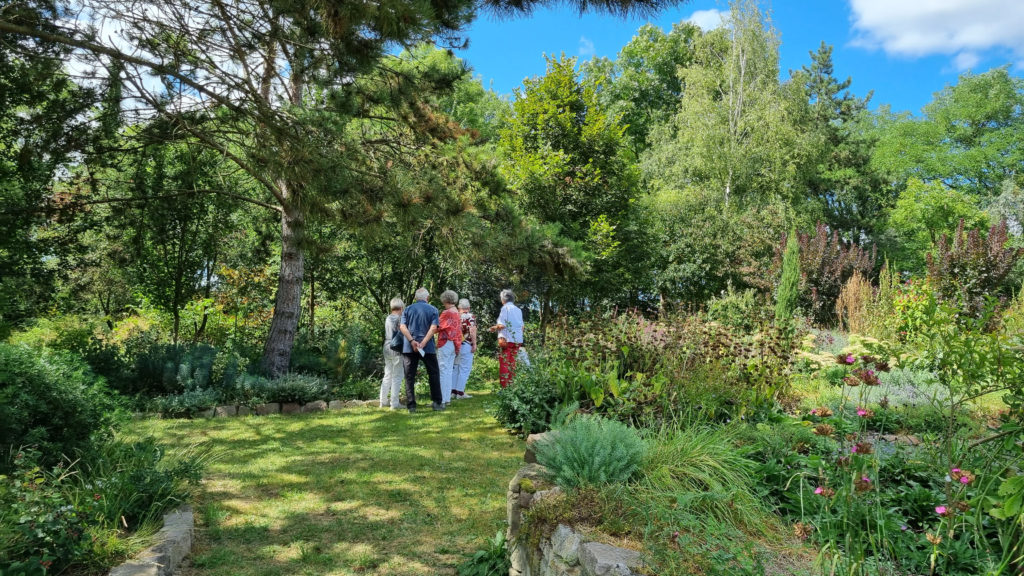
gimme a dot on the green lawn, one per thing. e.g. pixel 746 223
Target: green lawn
pixel 356 491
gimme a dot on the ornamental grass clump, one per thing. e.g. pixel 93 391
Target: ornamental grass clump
pixel 591 451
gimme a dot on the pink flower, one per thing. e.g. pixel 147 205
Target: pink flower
pixel 955 470
pixel 964 479
pixel 818 490
pixel 861 412
pixel 940 510
pixel 853 449
pixel 865 479
pixel 849 359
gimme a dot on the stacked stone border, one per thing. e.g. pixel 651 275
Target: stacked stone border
pixel 231 410
pixel 173 544
pixel 566 552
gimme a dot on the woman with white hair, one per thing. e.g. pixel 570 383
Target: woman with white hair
pixel 510 336
pixel 464 362
pixel 391 385
pixel 449 342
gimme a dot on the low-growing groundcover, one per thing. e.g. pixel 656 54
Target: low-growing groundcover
pixel 357 491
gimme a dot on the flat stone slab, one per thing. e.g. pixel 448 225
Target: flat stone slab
pixel 268 409
pixel 205 413
pixel 530 456
pixel 225 411
pixel 291 408
pixel 603 560
pixel 315 406
pixel 244 411
pixel 335 405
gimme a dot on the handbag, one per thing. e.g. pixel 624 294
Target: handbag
pixel 397 340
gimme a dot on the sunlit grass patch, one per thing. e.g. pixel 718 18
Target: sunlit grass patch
pixel 356 491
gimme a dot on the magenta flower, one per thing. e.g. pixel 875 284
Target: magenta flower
pixel 955 470
pixel 964 479
pixel 853 449
pixel 940 510
pixel 849 359
pixel 819 490
pixel 861 412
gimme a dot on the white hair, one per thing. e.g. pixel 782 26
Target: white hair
pixel 449 297
pixel 422 294
pixel 464 304
pixel 508 296
pixel 397 304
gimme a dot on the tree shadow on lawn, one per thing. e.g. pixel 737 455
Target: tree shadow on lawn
pixel 359 491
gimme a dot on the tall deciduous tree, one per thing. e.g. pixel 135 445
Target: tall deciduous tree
pixel 734 132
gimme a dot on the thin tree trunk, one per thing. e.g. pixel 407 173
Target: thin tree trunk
pixel 312 303
pixel 277 352
pixel 545 316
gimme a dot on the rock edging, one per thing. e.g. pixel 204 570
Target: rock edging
pixel 232 410
pixel 566 552
pixel 173 544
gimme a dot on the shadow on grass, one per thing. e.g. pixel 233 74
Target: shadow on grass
pixel 358 491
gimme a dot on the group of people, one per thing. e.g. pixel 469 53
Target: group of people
pixel 449 360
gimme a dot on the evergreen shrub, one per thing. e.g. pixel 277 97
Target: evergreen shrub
pixel 50 400
pixel 591 451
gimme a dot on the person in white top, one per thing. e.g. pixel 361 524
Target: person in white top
pixel 391 385
pixel 510 337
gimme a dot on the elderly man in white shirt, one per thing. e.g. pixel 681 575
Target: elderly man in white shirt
pixel 510 337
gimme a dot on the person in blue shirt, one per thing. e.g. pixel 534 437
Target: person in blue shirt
pixel 419 324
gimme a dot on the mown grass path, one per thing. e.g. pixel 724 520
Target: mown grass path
pixel 355 491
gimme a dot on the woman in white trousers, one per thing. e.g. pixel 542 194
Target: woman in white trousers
pixel 394 374
pixel 449 342
pixel 464 363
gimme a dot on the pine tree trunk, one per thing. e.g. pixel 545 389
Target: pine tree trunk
pixel 277 352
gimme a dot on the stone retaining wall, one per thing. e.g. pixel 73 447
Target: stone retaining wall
pixel 566 552
pixel 173 543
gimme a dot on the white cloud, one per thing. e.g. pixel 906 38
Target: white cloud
pixel 708 19
pixel 961 29
pixel 586 47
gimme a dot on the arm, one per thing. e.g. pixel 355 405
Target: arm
pixel 408 336
pixel 426 339
pixel 472 337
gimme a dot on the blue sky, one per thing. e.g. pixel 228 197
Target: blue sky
pixel 904 50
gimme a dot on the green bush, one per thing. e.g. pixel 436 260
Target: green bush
pixel 526 405
pixel 186 404
pixel 75 516
pixel 591 451
pixel 739 310
pixel 50 400
pixel 297 388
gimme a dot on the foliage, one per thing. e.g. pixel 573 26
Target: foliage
pixel 973 268
pixel 298 388
pixel 52 402
pixel 788 291
pixel 826 264
pixel 741 311
pixel 591 451
pixel 525 406
pixel 188 403
pixel 75 514
pixel 922 215
pixel 490 561
pixel 853 307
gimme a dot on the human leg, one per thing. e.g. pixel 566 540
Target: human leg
pixel 507 364
pixel 385 382
pixel 446 364
pixel 463 366
pixel 434 377
pixel 411 362
pixel 397 376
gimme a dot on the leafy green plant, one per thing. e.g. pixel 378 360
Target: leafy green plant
pixel 525 406
pixel 491 560
pixel 186 404
pixel 50 400
pixel 298 388
pixel 788 292
pixel 591 451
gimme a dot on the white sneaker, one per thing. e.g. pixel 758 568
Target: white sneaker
pixel 464 396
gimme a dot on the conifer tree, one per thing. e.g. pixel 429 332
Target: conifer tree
pixel 789 285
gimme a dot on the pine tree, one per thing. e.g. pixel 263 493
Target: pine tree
pixel 789 286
